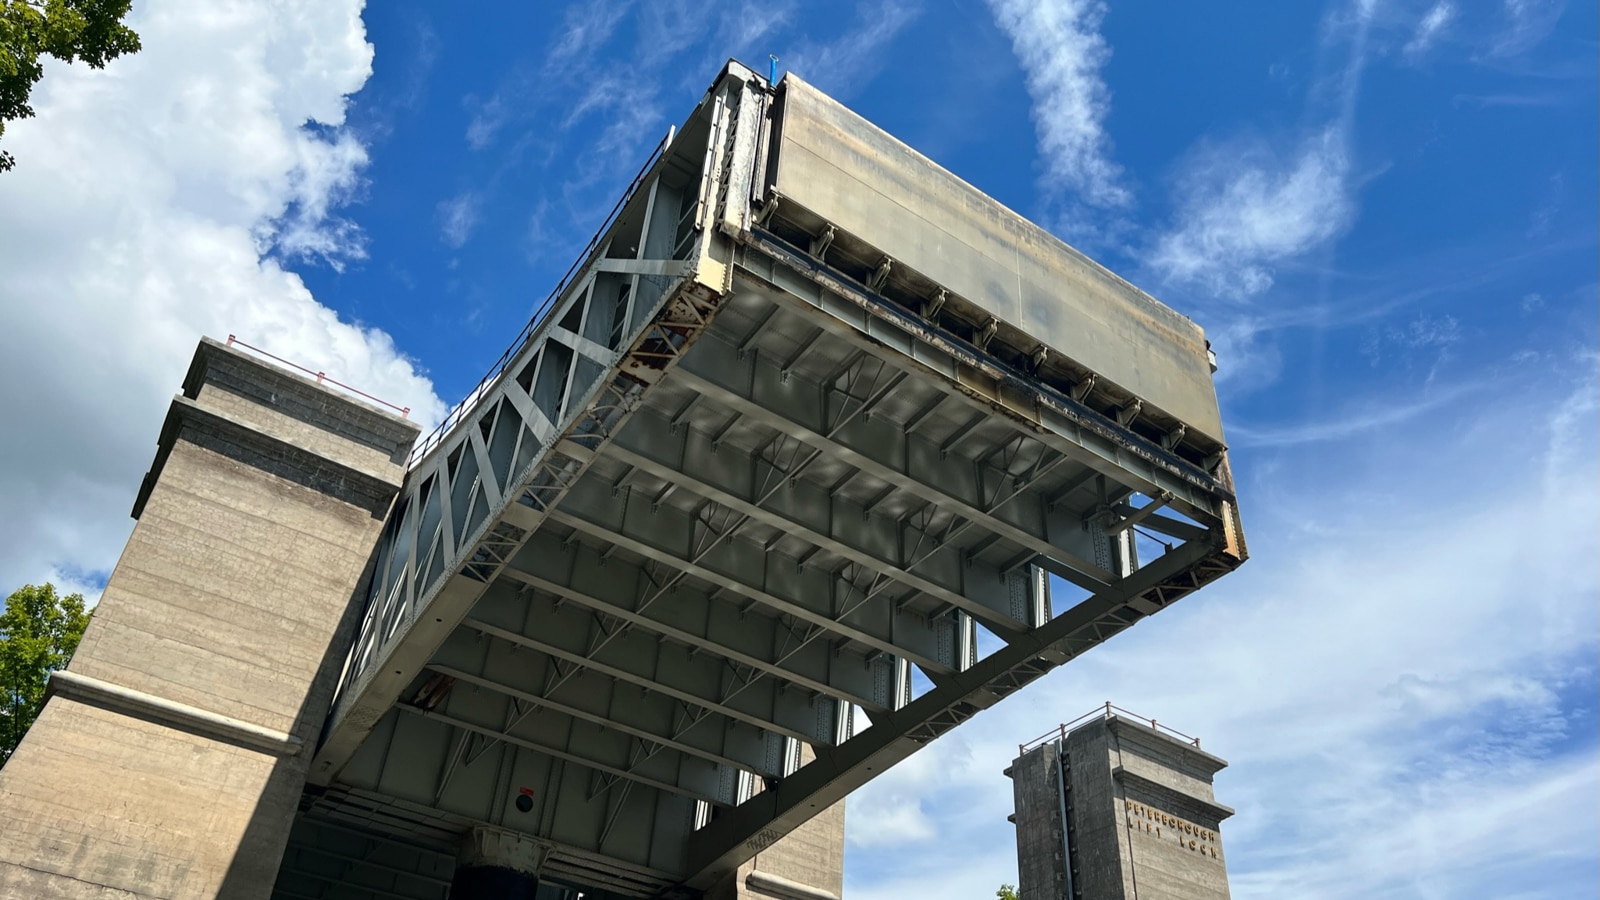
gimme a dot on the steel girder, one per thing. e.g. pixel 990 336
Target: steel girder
pixel 648 289
pixel 766 817
pixel 572 634
pixel 748 570
pixel 722 496
pixel 978 382
pixel 694 618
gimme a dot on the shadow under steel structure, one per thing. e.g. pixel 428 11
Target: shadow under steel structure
pixel 772 492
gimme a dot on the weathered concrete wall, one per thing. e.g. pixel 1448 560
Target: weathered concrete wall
pixel 1041 842
pixel 171 756
pixel 1142 818
pixel 1100 845
pixel 805 864
pixel 1169 814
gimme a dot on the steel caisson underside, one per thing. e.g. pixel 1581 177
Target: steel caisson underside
pixel 738 525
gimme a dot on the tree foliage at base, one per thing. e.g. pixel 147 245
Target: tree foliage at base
pixel 1006 892
pixel 69 30
pixel 39 631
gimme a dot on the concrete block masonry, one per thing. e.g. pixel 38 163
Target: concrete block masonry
pixel 1116 809
pixel 169 760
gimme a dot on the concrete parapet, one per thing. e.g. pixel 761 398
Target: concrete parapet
pixel 168 761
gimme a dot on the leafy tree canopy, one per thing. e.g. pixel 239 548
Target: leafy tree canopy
pixel 1006 892
pixel 69 30
pixel 39 631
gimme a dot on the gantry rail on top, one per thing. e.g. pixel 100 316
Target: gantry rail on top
pixel 739 524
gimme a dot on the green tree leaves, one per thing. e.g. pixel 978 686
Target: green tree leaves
pixel 69 30
pixel 1006 892
pixel 38 633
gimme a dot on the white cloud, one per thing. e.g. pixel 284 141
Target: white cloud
pixel 1243 209
pixel 1062 52
pixel 1526 23
pixel 327 173
pixel 1247 206
pixel 841 66
pixel 891 820
pixel 1402 676
pixel 458 216
pixel 586 28
pixel 149 205
pixel 895 814
pixel 487 120
pixel 1333 425
pixel 1429 29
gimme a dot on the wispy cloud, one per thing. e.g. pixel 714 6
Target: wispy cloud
pixel 1244 209
pixel 1525 100
pixel 1062 52
pixel 897 815
pixel 1424 335
pixel 381 106
pixel 458 216
pixel 843 64
pixel 488 117
pixel 1525 23
pixel 1330 426
pixel 586 28
pixel 1429 30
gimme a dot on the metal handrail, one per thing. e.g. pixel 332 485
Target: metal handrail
pixel 468 405
pixel 1108 711
pixel 322 377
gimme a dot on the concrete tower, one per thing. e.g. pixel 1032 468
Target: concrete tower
pixel 171 756
pixel 1113 807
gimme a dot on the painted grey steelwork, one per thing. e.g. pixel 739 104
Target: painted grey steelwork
pixel 744 473
pixel 991 262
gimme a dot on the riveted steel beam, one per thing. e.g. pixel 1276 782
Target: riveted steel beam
pixel 576 572
pixel 565 631
pixel 810 594
pixel 920 559
pixel 532 678
pixel 881 449
pixel 767 264
pixel 721 846
pixel 570 729
pixel 587 754
pixel 613 721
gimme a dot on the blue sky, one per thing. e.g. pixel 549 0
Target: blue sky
pixel 1383 213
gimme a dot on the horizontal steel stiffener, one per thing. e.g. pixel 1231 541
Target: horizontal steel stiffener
pixel 769 495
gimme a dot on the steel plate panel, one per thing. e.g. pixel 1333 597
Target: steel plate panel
pixel 851 173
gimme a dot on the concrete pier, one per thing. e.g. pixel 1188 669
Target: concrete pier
pixel 171 756
pixel 805 864
pixel 1116 809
